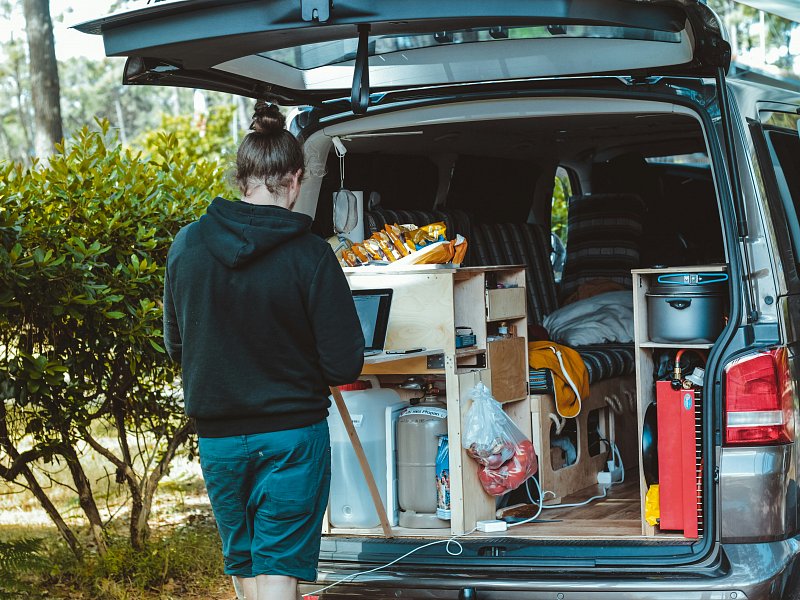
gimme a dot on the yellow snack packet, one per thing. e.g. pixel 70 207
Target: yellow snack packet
pixel 395 235
pixel 438 231
pixel 360 252
pixel 349 259
pixel 373 249
pixel 386 245
pixel 421 238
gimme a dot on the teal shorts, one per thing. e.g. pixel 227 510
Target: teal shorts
pixel 269 492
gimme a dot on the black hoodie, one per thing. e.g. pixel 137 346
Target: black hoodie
pixel 260 316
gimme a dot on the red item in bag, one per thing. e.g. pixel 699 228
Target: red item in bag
pixel 512 473
pixel 506 456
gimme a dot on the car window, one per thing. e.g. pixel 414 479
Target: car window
pixel 562 190
pixel 784 150
pixel 314 55
pixel 696 159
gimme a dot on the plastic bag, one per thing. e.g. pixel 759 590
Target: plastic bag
pixel 506 457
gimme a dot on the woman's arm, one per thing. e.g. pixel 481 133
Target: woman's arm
pixel 334 321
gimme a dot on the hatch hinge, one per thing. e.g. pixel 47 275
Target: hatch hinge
pixel 316 10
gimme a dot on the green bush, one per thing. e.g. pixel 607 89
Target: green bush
pixel 217 144
pixel 83 243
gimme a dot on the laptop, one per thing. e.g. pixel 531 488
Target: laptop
pixel 372 307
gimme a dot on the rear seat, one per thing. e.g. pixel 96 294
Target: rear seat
pixel 513 244
pixel 605 236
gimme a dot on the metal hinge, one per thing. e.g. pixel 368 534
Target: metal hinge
pixel 316 10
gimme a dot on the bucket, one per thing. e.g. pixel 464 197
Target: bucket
pixel 687 307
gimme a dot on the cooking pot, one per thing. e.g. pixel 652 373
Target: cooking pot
pixel 687 307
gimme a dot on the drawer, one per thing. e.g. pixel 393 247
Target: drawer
pixel 505 303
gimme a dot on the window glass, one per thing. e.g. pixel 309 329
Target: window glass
pixel 562 190
pixel 784 148
pixel 311 56
pixel 697 159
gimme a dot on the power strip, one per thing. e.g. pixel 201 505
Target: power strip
pixel 613 475
pixel 491 526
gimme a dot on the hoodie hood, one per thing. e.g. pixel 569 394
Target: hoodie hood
pixel 237 233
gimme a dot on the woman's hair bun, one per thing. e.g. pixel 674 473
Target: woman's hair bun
pixel 267 118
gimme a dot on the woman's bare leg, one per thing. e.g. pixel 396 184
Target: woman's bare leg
pixel 246 588
pixel 276 587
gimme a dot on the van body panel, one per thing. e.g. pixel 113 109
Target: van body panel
pixel 764 571
pixel 757 499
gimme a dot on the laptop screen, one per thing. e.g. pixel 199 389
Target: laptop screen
pixel 372 307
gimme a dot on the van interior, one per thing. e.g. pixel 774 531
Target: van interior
pixel 585 204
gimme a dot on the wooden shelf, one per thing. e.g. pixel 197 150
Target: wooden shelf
pixel 384 357
pixel 676 346
pixel 643 279
pixel 718 268
pixel 470 351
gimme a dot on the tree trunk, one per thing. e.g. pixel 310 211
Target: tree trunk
pixel 24 116
pixel 143 505
pixel 34 486
pixel 45 90
pixel 52 512
pixel 139 528
pixel 85 496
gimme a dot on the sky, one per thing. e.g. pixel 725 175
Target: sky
pixel 69 42
pixel 65 13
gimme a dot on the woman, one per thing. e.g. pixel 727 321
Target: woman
pixel 259 314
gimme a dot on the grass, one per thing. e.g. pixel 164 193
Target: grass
pixel 182 561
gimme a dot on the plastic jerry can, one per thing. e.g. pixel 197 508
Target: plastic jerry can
pixel 374 414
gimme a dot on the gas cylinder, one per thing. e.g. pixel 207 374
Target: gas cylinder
pixel 418 430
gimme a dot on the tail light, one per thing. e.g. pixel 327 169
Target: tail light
pixel 759 400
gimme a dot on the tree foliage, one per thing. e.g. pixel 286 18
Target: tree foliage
pixel 216 139
pixel 83 243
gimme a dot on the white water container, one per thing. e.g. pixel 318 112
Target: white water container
pixel 374 413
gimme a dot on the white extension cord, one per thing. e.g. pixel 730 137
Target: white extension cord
pixel 447 542
pixel 542 506
pixel 487 526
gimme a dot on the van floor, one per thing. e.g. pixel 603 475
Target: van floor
pixel 617 516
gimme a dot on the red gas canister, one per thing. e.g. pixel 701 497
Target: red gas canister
pixel 677 458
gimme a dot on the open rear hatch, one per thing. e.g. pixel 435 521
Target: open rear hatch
pixel 309 51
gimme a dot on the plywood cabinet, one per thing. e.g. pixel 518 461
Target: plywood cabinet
pixel 427 305
pixel 646 354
